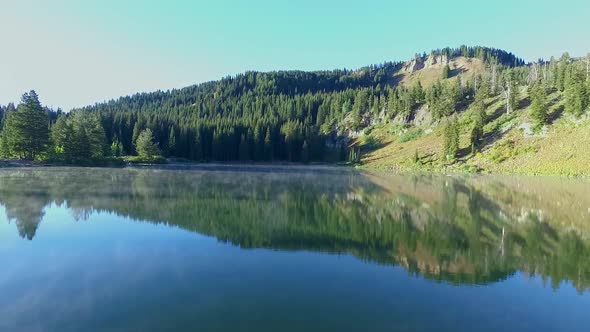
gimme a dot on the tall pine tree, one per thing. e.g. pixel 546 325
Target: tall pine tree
pixel 27 129
pixel 451 140
pixel 539 106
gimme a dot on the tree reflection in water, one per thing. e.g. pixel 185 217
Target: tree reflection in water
pixel 472 230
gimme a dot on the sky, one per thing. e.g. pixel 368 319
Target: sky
pixel 75 52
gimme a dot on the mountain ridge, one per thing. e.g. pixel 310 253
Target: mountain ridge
pixel 505 58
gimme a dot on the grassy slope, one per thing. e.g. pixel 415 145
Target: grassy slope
pixel 564 149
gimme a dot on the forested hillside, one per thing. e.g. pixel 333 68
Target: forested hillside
pixel 455 103
pixel 534 120
pixel 290 115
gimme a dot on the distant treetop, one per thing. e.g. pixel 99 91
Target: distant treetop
pixel 486 54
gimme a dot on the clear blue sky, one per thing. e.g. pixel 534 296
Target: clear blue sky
pixel 78 52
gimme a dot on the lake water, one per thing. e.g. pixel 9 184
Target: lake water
pixel 291 249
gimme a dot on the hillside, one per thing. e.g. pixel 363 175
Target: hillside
pixel 560 147
pixel 467 108
pixel 285 115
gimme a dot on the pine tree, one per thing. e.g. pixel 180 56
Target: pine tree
pixel 137 129
pixel 62 135
pixel 258 144
pixel 268 148
pixel 145 146
pixel 417 93
pixel 510 91
pixel 27 129
pixel 587 63
pixel 479 120
pixel 443 98
pixel 451 140
pixel 80 137
pixel 116 148
pixel 197 147
pixel 562 72
pixel 216 147
pixel 576 99
pixel 88 125
pixel 483 91
pixel 172 141
pixel 305 152
pixel 4 150
pixel 244 150
pixel 539 106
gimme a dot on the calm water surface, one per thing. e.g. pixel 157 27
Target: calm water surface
pixel 279 249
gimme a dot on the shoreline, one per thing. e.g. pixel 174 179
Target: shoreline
pixel 283 166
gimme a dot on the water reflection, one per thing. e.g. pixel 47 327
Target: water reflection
pixel 472 230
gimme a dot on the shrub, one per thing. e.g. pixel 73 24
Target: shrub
pixel 410 135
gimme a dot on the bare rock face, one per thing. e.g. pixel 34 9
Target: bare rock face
pixel 413 65
pixel 433 60
pixel 400 119
pixel 422 116
pixel 436 60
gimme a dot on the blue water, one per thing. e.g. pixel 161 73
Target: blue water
pixel 102 270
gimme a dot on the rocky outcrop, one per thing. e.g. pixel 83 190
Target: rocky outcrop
pixel 422 116
pixel 433 60
pixel 413 65
pixel 436 60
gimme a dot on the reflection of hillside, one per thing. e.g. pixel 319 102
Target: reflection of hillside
pixel 505 219
pixel 565 202
pixel 440 227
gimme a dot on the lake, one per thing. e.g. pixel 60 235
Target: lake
pixel 238 248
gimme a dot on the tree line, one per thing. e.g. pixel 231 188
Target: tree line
pixel 31 131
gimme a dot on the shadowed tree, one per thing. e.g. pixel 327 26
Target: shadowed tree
pixel 446 72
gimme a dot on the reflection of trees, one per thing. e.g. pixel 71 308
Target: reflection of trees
pixel 27 219
pixel 440 227
pixel 24 206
